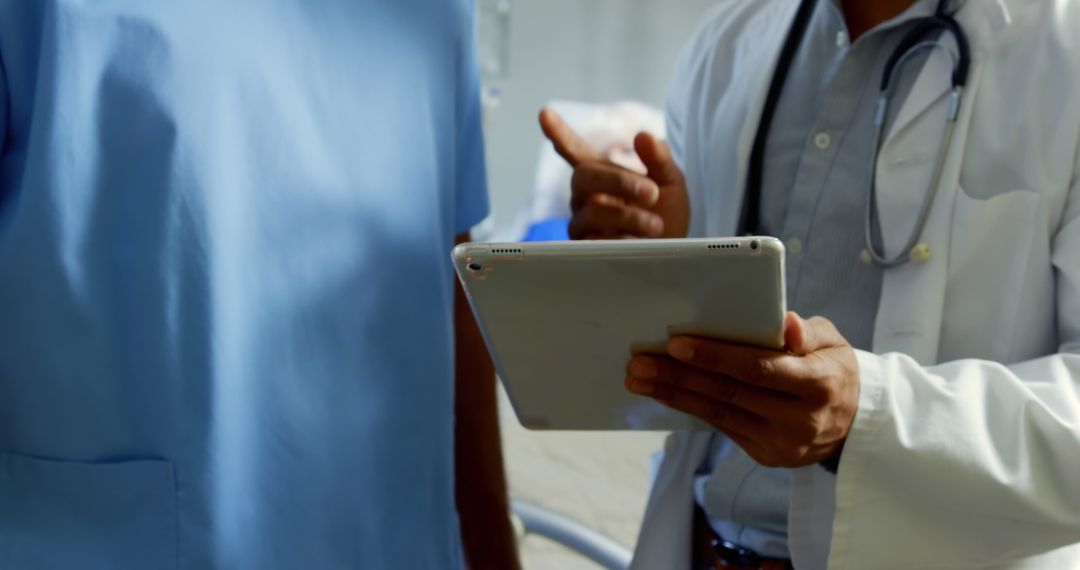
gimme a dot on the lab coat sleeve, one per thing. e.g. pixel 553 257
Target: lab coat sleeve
pixel 675 119
pixel 970 462
pixel 470 191
pixel 677 103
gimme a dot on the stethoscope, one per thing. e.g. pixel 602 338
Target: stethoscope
pixel 912 43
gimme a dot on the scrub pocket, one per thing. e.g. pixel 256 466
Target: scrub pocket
pixel 59 514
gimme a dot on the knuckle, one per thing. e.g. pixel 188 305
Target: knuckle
pixel 827 330
pixel 819 321
pixel 762 371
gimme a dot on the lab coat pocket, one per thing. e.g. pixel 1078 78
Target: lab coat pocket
pixel 60 514
pixel 992 248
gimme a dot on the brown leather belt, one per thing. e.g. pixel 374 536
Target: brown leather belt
pixel 711 551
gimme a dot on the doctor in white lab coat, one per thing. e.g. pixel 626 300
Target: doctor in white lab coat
pixel 958 436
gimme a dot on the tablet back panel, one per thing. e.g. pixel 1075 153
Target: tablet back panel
pixel 561 319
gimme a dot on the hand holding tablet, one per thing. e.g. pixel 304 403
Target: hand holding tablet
pixel 562 319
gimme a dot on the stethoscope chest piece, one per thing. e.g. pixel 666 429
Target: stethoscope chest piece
pixel 920 253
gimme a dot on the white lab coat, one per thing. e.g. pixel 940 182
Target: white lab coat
pixel 965 450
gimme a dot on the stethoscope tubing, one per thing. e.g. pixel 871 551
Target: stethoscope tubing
pixel 880 114
pixel 910 44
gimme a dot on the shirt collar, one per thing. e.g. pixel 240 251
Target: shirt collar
pixel 920 9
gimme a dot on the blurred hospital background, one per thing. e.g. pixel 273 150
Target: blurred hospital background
pixel 606 65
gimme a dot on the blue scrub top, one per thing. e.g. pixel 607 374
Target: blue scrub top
pixel 225 290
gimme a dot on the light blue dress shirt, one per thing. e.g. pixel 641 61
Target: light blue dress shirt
pixel 225 289
pixel 818 159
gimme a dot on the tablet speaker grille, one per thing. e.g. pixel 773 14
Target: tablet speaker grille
pixel 507 251
pixel 723 246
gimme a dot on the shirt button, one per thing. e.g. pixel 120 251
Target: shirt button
pixel 841 39
pixel 822 140
pixel 794 246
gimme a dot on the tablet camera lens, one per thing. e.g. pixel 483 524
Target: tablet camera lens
pixel 754 244
pixel 475 267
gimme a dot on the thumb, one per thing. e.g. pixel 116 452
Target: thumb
pixel 802 337
pixel 656 156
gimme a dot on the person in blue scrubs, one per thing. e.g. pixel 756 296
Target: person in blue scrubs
pixel 227 332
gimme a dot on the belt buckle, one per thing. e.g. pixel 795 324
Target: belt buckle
pixel 731 554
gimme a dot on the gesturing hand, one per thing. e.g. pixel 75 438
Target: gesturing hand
pixel 785 409
pixel 609 201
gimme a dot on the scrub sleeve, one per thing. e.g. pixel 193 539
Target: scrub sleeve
pixel 5 112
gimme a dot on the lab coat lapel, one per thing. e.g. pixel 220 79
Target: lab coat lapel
pixel 983 21
pixel 912 297
pixel 931 85
pixel 909 154
pixel 664 539
pixel 666 531
pixel 761 45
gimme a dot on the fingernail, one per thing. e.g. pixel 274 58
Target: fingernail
pixel 643 369
pixel 656 226
pixel 639 386
pixel 681 348
pixel 647 192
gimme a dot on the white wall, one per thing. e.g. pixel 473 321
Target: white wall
pixel 586 50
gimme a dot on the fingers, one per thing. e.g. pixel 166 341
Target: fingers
pixel 592 173
pixel 567 143
pixel 724 417
pixel 602 178
pixel 599 180
pixel 766 369
pixel 605 220
pixel 795 340
pixel 609 201
pixel 646 371
pixel 656 155
pixel 804 337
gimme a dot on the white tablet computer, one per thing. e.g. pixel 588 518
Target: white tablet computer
pixel 562 319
